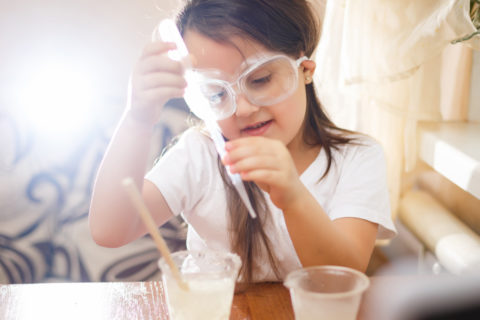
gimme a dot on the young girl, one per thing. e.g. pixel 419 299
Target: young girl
pixel 319 191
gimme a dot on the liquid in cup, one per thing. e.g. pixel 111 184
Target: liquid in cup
pixel 326 292
pixel 211 277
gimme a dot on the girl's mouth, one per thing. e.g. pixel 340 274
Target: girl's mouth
pixel 257 129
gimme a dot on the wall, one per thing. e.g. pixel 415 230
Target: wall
pixel 105 36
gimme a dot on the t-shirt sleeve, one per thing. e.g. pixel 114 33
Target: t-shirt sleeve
pixel 181 170
pixel 362 190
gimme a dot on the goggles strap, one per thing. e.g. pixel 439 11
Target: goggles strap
pixel 300 60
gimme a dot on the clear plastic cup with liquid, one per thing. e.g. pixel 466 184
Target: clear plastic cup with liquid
pixel 211 278
pixel 326 292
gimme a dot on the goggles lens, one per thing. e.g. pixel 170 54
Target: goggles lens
pixel 270 81
pixel 266 82
pixel 218 97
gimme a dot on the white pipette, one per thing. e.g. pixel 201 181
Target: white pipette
pixel 168 32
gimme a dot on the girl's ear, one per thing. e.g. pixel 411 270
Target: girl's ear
pixel 308 70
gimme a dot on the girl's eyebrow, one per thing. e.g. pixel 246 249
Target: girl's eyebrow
pixel 251 60
pixel 255 58
pixel 247 63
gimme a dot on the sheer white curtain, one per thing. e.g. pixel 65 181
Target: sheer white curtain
pixel 379 69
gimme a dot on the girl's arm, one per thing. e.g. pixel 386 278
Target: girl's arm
pixel 319 240
pixel 113 220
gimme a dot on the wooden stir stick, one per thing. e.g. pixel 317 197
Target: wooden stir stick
pixel 142 209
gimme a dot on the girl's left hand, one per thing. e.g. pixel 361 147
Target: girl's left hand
pixel 269 164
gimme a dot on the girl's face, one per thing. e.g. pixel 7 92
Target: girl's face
pixel 283 121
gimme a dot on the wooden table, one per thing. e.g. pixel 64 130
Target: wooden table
pixel 127 300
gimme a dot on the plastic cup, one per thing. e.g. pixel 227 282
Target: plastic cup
pixel 326 292
pixel 211 278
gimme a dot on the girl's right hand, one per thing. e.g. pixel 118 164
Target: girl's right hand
pixel 155 80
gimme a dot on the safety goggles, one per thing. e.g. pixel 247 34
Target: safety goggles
pixel 266 81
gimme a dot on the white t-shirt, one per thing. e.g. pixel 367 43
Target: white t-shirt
pixel 189 179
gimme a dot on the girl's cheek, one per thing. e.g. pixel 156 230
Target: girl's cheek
pixel 229 128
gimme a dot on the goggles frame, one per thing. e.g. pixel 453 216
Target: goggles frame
pixel 210 77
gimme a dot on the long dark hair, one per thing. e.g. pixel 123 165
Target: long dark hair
pixel 288 26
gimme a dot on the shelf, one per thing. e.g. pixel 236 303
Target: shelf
pixel 453 150
pixel 454 244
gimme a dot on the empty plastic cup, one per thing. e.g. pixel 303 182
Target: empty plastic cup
pixel 326 292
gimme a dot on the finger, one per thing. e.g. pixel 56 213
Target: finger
pixel 264 177
pixel 159 95
pixel 159 63
pixel 264 162
pixel 162 79
pixel 261 143
pixel 237 143
pixel 157 47
pixel 248 150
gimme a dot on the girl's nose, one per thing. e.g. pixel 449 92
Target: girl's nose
pixel 244 107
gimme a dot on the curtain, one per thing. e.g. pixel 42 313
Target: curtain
pixel 379 70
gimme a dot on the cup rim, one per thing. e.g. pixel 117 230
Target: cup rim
pixel 365 281
pixel 235 258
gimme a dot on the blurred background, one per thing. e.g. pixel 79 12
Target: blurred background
pixel 64 70
pixel 405 72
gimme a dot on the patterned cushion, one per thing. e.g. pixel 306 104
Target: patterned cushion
pixel 45 193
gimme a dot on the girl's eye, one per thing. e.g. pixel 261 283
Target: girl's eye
pixel 261 80
pixel 216 98
pixel 214 93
